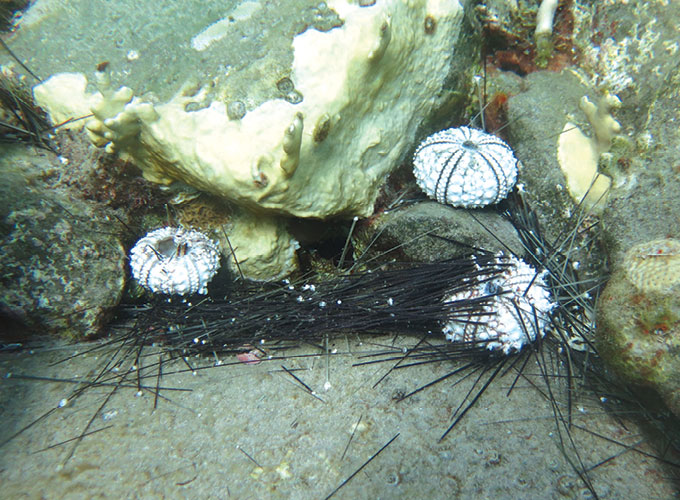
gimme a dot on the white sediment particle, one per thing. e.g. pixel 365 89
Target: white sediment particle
pixel 219 29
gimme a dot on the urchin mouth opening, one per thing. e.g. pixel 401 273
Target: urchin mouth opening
pixel 167 247
pixel 470 144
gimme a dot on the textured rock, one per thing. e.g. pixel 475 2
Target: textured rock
pixel 534 131
pixel 429 231
pixel 654 266
pixel 638 66
pixel 638 327
pixel 635 58
pixel 62 268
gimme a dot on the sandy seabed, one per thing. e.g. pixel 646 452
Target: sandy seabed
pixel 252 431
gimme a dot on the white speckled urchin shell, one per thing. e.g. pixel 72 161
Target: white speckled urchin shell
pixel 518 313
pixel 465 167
pixel 175 260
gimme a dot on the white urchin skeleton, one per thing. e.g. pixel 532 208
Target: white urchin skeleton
pixel 175 260
pixel 465 167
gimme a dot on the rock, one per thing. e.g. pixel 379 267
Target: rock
pixel 638 323
pixel 638 314
pixel 537 113
pixel 648 207
pixel 62 266
pixel 636 67
pixel 429 231
pixel 630 58
pixel 538 108
pixel 635 146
